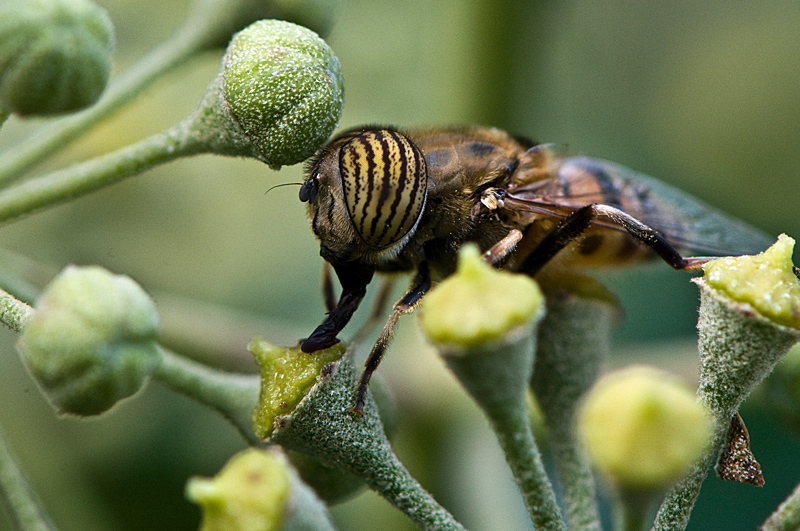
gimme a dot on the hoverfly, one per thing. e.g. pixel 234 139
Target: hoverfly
pixel 382 200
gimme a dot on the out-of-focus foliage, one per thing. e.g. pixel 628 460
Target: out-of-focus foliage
pixel 700 95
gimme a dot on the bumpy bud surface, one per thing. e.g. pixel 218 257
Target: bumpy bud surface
pixel 55 55
pixel 91 340
pixel 287 376
pixel 642 428
pixel 283 86
pixel 249 493
pixel 765 281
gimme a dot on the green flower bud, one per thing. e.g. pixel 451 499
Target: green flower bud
pixel 282 85
pixel 643 429
pixel 765 281
pixel 479 304
pixel 91 340
pixel 55 55
pixel 257 491
pixel 287 376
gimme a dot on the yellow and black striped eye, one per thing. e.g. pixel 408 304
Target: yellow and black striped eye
pixel 385 181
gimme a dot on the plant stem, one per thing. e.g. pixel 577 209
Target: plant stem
pixel 25 508
pixel 232 395
pixel 209 24
pixel 787 516
pixel 61 185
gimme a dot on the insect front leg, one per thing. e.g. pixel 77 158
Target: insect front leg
pixel 354 278
pixel 576 224
pixel 407 303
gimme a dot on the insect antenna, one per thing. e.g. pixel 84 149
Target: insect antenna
pixel 271 188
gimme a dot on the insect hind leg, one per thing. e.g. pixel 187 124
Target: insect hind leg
pixel 576 224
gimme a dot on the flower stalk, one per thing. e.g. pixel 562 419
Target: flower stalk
pixel 574 339
pixel 748 310
pixel 483 322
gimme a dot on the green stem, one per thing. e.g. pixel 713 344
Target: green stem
pixel 787 516
pixel 13 313
pixel 513 431
pixel 630 511
pixel 25 508
pixel 61 185
pixel 210 24
pixel 232 395
pixel 321 428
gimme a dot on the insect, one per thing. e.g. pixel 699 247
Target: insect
pixel 382 200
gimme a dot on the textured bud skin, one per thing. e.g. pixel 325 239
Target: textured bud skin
pixel 642 428
pixel 91 340
pixel 55 55
pixel 765 281
pixel 478 303
pixel 287 375
pixel 283 86
pixel 248 494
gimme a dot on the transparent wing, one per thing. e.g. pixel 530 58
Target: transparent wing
pixel 686 222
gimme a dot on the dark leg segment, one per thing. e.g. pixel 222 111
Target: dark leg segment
pixel 353 277
pixel 407 303
pixel 577 223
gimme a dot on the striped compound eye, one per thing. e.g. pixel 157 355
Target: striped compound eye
pixel 385 182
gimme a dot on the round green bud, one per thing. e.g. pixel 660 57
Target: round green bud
pixel 249 493
pixel 765 281
pixel 91 340
pixel 55 55
pixel 282 85
pixel 479 303
pixel 642 428
pixel 287 376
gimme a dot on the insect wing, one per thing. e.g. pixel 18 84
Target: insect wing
pixel 686 222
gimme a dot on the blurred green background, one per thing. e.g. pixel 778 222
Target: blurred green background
pixel 703 96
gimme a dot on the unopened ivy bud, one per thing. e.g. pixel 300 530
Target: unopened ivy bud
pixel 643 429
pixel 287 376
pixel 479 304
pixel 257 491
pixel 282 85
pixel 55 55
pixel 765 281
pixel 91 340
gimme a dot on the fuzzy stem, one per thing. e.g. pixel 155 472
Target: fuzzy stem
pixel 738 349
pixel 574 338
pixel 787 516
pixel 321 427
pixel 207 130
pixel 13 313
pixel 24 506
pixel 210 24
pixel 232 395
pixel 496 375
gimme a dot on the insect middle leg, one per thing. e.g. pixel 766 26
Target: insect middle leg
pixel 576 224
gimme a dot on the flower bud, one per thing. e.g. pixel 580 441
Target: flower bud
pixel 643 429
pixel 55 55
pixel 91 340
pixel 479 304
pixel 287 375
pixel 282 85
pixel 765 281
pixel 257 491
